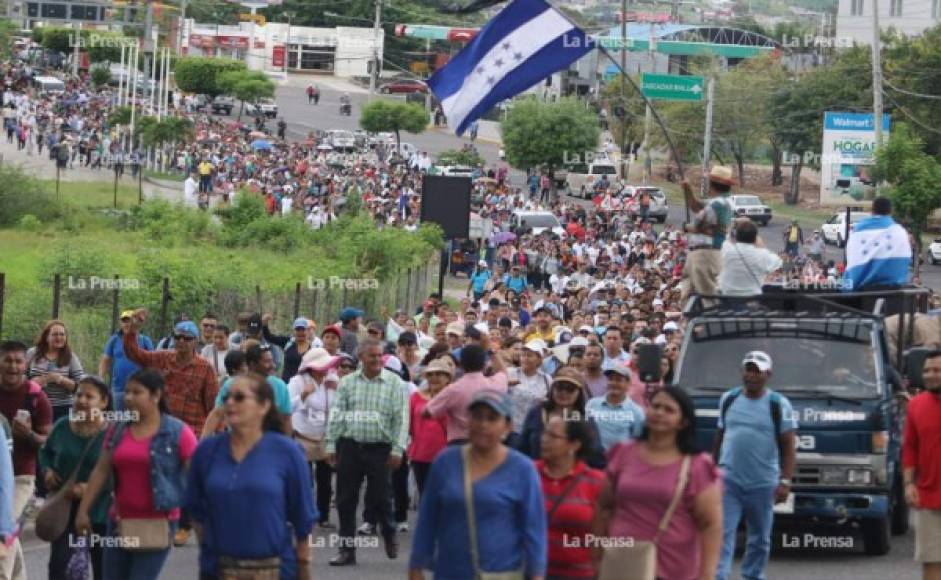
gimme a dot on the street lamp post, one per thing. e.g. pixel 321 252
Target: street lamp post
pixel 375 51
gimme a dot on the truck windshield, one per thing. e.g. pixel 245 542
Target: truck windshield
pixel 837 367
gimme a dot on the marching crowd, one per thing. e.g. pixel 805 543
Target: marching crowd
pixel 537 418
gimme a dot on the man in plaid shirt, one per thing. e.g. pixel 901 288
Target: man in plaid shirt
pixel 366 436
pixel 191 384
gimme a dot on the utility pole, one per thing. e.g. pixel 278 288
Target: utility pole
pixel 76 51
pixel 121 78
pixel 876 74
pixel 179 48
pixel 707 136
pixel 648 114
pixel 427 73
pixel 373 77
pixel 625 149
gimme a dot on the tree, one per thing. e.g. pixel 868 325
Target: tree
pixel 246 86
pixel 465 157
pixel 394 116
pixel 912 85
pixel 8 29
pixel 537 133
pixel 199 75
pixel 100 75
pixel 913 177
pixel 120 115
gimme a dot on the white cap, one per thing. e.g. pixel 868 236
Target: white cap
pixel 536 345
pixel 660 340
pixel 482 263
pixel 759 359
pixel 670 326
pixel 579 341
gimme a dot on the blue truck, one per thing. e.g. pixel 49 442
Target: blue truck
pixel 832 361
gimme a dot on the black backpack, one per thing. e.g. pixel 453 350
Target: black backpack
pixel 775 417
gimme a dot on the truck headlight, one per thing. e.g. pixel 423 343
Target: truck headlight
pixel 832 475
pixel 859 476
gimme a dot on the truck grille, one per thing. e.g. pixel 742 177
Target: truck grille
pixel 807 476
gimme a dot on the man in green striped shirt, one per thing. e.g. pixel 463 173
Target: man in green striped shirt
pixel 367 431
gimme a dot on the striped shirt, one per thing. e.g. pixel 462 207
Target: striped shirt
pixel 40 366
pixel 370 411
pixel 570 525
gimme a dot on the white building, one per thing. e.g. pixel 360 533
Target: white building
pixel 910 17
pixel 274 47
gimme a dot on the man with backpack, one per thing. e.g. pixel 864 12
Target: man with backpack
pixel 755 447
pixel 25 407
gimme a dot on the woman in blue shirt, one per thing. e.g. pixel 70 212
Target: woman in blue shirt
pixel 509 515
pixel 252 465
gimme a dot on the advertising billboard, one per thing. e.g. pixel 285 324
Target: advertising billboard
pixel 849 140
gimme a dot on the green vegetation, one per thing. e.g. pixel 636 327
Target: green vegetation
pixel 545 134
pixel 393 116
pixel 456 157
pixel 200 75
pixel 246 86
pixel 100 75
pixel 212 264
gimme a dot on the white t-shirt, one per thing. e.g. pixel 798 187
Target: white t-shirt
pixel 189 191
pixel 744 268
pixel 287 203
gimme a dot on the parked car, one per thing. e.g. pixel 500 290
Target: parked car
pixel 834 229
pixel 376 139
pixel 934 251
pixel 403 86
pixel 659 208
pixel 223 105
pixel 266 107
pixel 582 177
pixel 360 137
pixel 456 171
pixel 536 222
pixel 341 140
pixel 750 206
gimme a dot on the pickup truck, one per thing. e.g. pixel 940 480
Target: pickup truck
pixel 223 105
pixel 266 107
pixel 831 360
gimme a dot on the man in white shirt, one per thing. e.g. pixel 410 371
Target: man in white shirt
pixel 190 186
pixel 745 262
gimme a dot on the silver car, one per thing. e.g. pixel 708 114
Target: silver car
pixel 659 207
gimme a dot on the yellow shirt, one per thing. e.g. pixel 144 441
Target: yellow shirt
pixel 205 168
pixel 547 336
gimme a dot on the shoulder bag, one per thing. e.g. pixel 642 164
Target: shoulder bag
pixel 472 524
pixel 639 560
pixel 53 517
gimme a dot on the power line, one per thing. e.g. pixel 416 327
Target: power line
pixel 910 93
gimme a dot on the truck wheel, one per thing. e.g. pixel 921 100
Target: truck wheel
pixel 662 219
pixel 900 510
pixel 876 541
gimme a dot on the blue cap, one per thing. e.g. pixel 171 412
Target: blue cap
pixel 301 323
pixel 496 400
pixel 350 313
pixel 187 327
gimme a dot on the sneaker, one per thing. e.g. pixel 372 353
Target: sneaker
pixel 402 527
pixel 181 537
pixel 366 529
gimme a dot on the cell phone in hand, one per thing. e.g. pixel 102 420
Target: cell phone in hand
pixel 22 415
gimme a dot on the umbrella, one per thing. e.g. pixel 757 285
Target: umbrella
pixel 257 135
pixel 261 144
pixel 503 237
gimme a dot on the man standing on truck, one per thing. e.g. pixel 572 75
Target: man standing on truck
pixel 707 233
pixel 921 447
pixel 878 252
pixel 755 448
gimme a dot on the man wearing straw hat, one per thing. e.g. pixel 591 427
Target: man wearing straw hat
pixel 707 233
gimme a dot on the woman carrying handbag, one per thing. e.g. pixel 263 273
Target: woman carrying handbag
pixel 660 512
pixel 66 461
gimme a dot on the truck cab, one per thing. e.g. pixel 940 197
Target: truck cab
pixel 832 362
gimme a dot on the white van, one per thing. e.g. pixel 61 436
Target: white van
pixel 49 85
pixel 581 177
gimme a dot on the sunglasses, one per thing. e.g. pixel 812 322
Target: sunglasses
pixel 237 397
pixel 183 337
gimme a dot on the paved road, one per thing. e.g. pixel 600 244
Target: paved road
pixel 786 563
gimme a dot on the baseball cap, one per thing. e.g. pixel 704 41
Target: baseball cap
pixel 301 323
pixel 758 358
pixel 455 328
pixel 536 345
pixel 254 322
pixel 349 313
pixel 499 402
pixel 670 327
pixel 482 263
pixel 579 341
pixel 569 375
pixel 186 327
pixel 619 369
pixel 586 328
pixel 127 314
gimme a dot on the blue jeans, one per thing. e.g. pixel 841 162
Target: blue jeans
pixel 756 505
pixel 121 564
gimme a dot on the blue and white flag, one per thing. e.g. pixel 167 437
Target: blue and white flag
pixel 525 43
pixel 878 252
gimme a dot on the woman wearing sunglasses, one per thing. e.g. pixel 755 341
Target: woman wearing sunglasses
pixel 429 435
pixel 146 458
pixel 254 465
pixel 566 400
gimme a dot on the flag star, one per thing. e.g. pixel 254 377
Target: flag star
pixel 506 46
pixel 518 56
pixel 491 80
pixel 498 63
pixel 480 70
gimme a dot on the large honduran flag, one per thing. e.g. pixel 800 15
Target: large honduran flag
pixel 525 43
pixel 878 252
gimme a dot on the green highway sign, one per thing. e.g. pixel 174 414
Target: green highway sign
pixel 672 87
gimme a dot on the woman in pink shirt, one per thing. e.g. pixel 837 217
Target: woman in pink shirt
pixel 147 456
pixel 642 479
pixel 429 435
